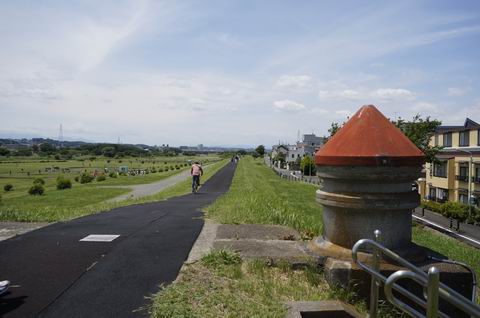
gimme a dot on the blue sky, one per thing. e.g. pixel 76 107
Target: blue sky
pixel 231 72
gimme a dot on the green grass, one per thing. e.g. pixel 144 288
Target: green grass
pixel 258 195
pixel 82 199
pixel 56 205
pixel 221 285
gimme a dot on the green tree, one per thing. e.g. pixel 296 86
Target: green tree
pixel 4 151
pixel 420 131
pixel 280 156
pixel 334 128
pixel 108 152
pixel 307 166
pixel 260 150
pixel 47 148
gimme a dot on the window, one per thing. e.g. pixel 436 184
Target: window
pixel 462 172
pixel 293 155
pixel 447 139
pixel 442 195
pixel 464 138
pixel 436 139
pixel 440 169
pixel 462 197
pixel 432 193
pixel 478 137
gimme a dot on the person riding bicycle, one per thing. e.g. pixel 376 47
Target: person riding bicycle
pixel 196 172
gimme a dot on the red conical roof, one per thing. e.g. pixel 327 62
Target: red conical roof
pixel 369 139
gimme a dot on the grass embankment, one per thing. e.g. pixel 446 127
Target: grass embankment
pixel 258 195
pixel 221 285
pixel 253 289
pixel 82 199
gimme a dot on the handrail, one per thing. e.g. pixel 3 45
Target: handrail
pixel 416 274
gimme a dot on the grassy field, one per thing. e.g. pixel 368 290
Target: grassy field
pixel 258 195
pixel 82 199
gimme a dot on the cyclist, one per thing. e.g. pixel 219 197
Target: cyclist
pixel 196 172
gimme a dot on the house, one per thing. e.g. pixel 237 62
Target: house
pixel 307 147
pixel 457 172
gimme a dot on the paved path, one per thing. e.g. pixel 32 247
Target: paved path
pixel 56 275
pixel 468 233
pixel 143 190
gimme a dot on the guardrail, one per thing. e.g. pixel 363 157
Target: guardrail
pixel 429 281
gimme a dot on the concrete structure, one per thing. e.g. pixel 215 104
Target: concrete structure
pixel 448 180
pixel 367 169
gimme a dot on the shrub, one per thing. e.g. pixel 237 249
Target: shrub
pixel 63 183
pixel 77 178
pixel 172 168
pixel 39 181
pixel 177 167
pixel 101 178
pixel 8 187
pixel 112 175
pixel 455 210
pixel 86 178
pixel 160 170
pixel 432 206
pixel 166 169
pixel 36 189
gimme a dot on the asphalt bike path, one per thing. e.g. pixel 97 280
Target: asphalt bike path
pixel 54 274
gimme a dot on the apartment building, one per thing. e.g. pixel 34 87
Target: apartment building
pixel 448 180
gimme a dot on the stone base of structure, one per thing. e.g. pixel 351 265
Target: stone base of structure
pixel 325 249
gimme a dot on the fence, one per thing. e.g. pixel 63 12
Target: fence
pixel 429 281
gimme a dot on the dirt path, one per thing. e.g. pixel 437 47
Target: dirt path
pixel 143 190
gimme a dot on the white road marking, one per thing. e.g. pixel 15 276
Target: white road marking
pixel 99 238
pixel 446 229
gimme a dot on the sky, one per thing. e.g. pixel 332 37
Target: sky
pixel 231 73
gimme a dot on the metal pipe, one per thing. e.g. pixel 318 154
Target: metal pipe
pixel 433 282
pixel 375 284
pixel 445 292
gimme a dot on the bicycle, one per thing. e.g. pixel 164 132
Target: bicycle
pixel 195 184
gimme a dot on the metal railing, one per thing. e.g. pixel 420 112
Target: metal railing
pixel 429 281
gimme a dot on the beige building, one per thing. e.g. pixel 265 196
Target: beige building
pixel 459 159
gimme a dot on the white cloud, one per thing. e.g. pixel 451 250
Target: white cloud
pixel 393 93
pixel 424 106
pixel 378 94
pixel 294 81
pixel 288 105
pixel 456 91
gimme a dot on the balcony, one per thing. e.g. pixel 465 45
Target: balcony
pixel 461 178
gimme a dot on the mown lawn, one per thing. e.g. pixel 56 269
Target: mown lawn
pixel 258 195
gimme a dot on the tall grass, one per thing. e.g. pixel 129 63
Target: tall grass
pixel 258 195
